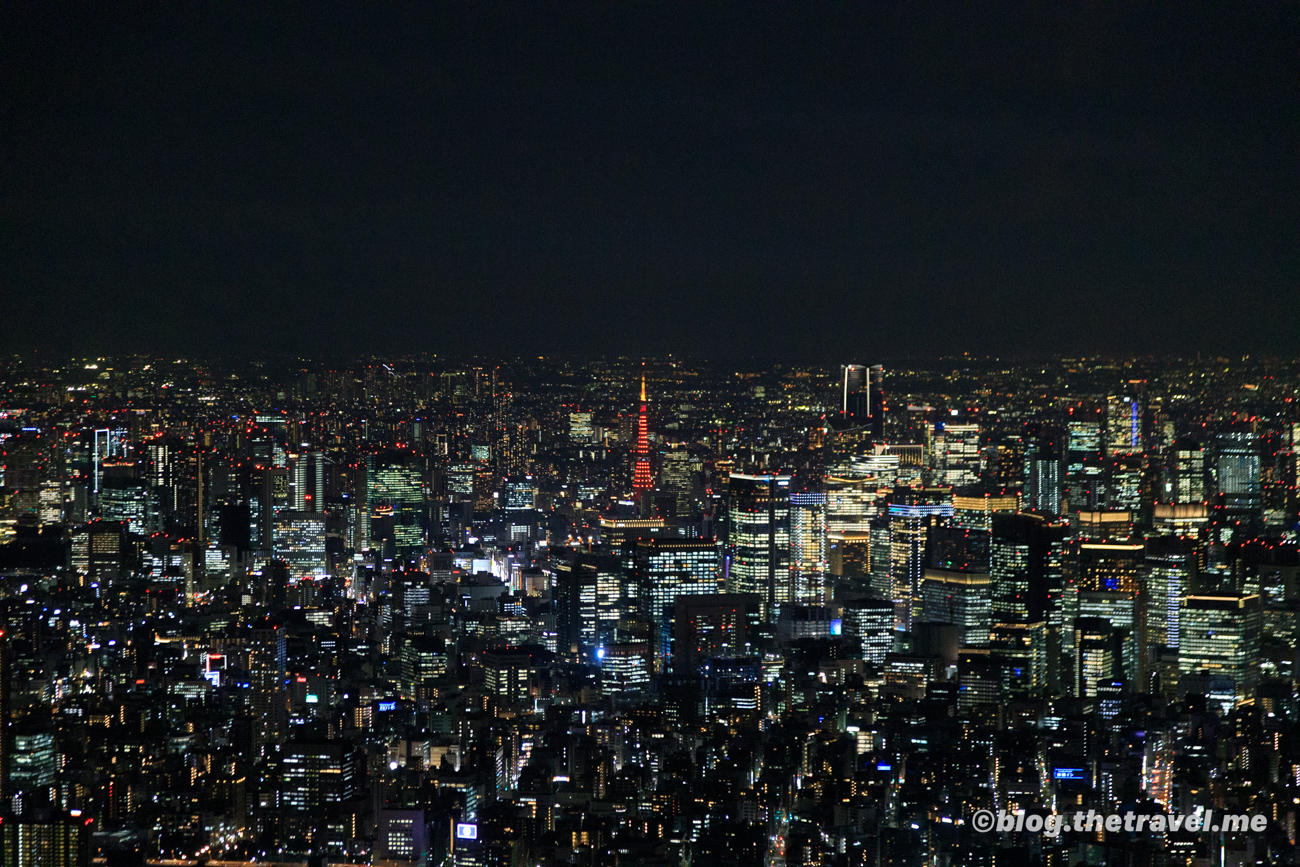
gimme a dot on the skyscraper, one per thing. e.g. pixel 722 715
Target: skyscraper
pixel 1220 634
pixel 1123 425
pixel 957 454
pixel 575 608
pixel 855 395
pixel 1109 579
pixel 861 400
pixel 1125 490
pixel 871 622
pixel 1170 565
pixel 1237 471
pixel 312 780
pixel 1044 486
pixel 307 482
pixel 6 676
pixel 717 625
pixel 1019 555
pixel 910 517
pixel 1186 473
pixel 299 540
pixel 1084 465
pixel 267 670
pixel 668 568
pixel 759 538
pixel 808 548
pixel 396 491
pixel 959 598
pixel 1097 656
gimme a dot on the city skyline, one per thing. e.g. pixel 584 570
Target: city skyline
pixel 434 612
pixel 650 434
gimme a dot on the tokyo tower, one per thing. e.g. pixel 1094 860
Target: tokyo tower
pixel 641 479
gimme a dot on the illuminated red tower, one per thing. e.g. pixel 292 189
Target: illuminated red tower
pixel 641 479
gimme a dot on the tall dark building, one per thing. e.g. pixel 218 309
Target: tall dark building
pixel 862 399
pixel 574 596
pixel 717 625
pixel 854 400
pixel 758 518
pixel 1044 474
pixel 313 783
pixel 1025 566
pixel 667 569
pixel 6 748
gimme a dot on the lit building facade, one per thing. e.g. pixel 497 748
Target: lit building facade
pixel 759 539
pixel 808 560
pixel 1220 634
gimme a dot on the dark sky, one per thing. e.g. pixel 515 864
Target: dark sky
pixel 800 180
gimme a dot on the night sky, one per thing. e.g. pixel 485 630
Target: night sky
pixel 796 180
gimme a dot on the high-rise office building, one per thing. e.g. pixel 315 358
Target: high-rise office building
pixel 299 540
pixel 1021 550
pixel 1084 465
pixel 959 598
pixel 957 454
pixel 1185 474
pixel 758 519
pixel 976 512
pixel 107 551
pixel 848 555
pixel 1098 654
pixel 1125 488
pixel 1170 568
pixel 171 495
pixel 25 461
pixel 6 686
pixel 716 625
pixel 871 622
pixel 1123 425
pixel 519 494
pixel 1109 577
pixel 850 503
pixel 625 668
pixel 1084 444
pixel 911 515
pixel 312 779
pixel 574 593
pixel 855 392
pixel 306 474
pixel 668 568
pixel 678 476
pixel 34 763
pixel 1022 649
pixel 396 493
pixel 122 495
pixel 1237 471
pixel 1044 476
pixel 808 560
pixel 861 402
pixel 1220 634
pixel 270 496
